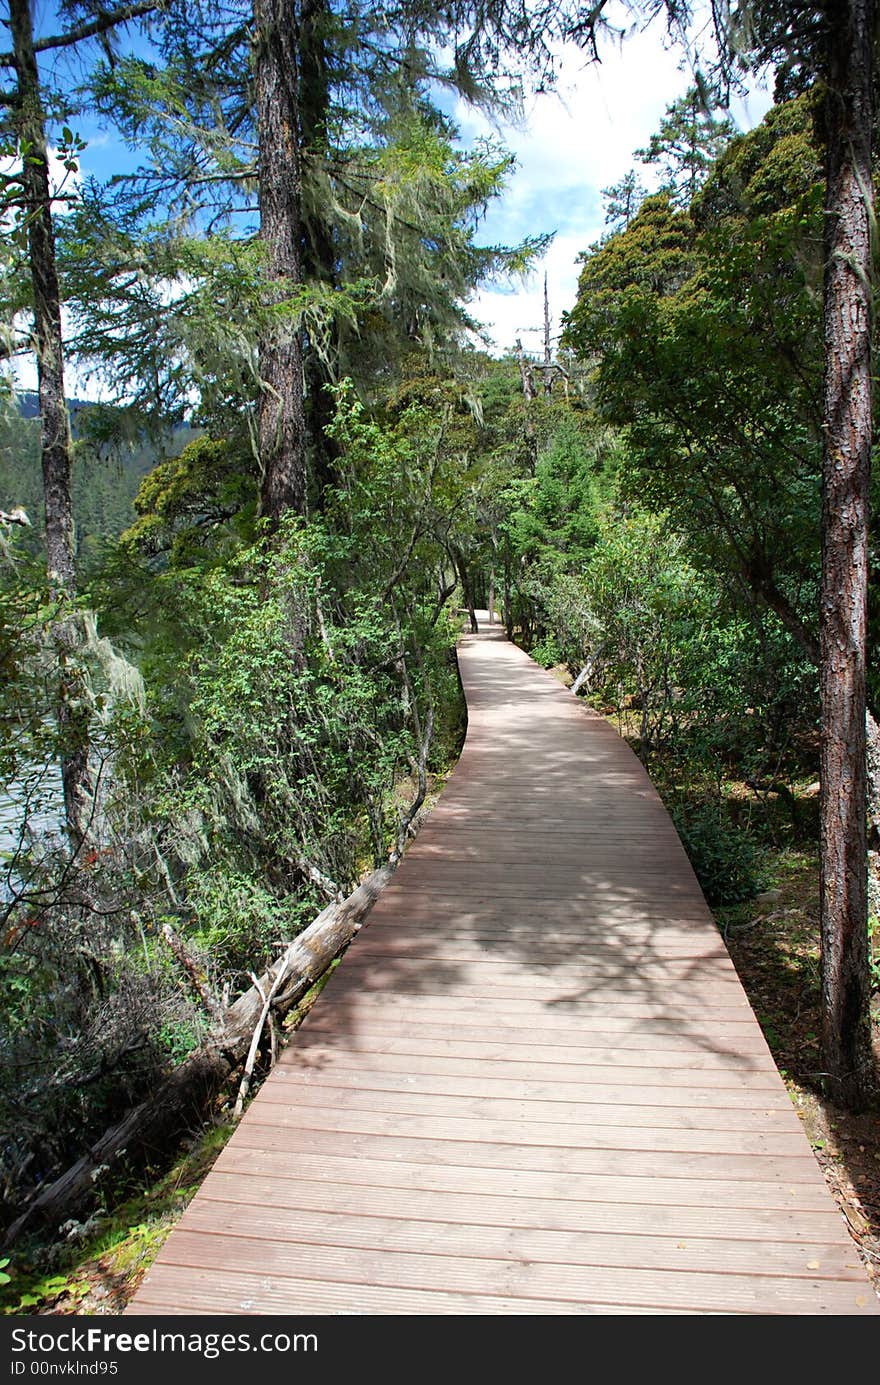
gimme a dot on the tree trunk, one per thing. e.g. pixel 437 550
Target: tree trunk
pixel 55 426
pixel 319 251
pixel 47 304
pixel 846 1048
pixel 525 370
pixel 467 591
pixel 282 410
pixel 548 359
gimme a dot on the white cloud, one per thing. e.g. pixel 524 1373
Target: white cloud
pixel 65 186
pixel 64 183
pixel 571 145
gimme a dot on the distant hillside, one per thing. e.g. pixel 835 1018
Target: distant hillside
pixel 105 480
pixel 29 405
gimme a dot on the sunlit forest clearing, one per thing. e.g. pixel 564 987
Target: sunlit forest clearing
pixel 270 471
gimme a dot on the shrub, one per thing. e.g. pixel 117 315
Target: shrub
pixel 726 859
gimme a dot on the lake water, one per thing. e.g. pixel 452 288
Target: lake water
pixel 38 794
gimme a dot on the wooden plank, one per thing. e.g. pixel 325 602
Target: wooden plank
pixel 579 1061
pixel 489 1086
pixel 671 958
pixel 619 970
pixel 246 1153
pixel 558 990
pixel 247 1294
pixel 534 1085
pixel 805 1260
pixel 376 1022
pixel 386 1118
pixel 511 1280
pixel 646 1078
pixel 798 1225
pixel 570 1160
pixel 732 1123
pixel 552 990
pixel 638 1013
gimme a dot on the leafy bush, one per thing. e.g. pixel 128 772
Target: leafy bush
pixel 546 652
pixel 726 859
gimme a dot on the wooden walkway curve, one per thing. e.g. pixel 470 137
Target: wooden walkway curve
pixel 534 1085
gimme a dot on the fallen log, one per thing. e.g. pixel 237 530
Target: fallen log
pixel 153 1129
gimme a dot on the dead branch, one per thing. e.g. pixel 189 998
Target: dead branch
pixel 193 972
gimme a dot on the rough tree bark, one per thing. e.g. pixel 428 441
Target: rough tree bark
pixel 846 1046
pixel 54 422
pixel 282 425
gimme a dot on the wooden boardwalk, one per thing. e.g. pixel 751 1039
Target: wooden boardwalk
pixel 534 1085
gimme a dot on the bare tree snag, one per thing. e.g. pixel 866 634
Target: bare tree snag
pixel 525 370
pixel 548 357
pixel 846 1047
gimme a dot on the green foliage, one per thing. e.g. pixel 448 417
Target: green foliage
pixel 726 860
pixel 693 612
pixel 297 691
pixel 184 501
pixel 649 260
pixel 261 706
pixel 112 456
pixel 622 201
pixel 546 652
pixel 20 474
pixel 49 1290
pixel 649 607
pixel 177 1039
pixel 552 470
pixel 390 203
pixel 686 146
pixel 237 921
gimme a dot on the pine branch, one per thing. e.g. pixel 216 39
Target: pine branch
pixel 90 28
